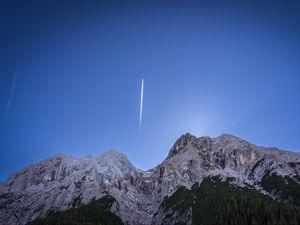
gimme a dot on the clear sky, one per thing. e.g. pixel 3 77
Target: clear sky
pixel 71 71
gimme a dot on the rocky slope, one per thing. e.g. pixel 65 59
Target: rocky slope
pixel 62 182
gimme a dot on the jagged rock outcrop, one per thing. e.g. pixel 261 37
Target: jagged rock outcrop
pixel 62 182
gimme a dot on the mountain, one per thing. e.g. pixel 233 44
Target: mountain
pixel 202 181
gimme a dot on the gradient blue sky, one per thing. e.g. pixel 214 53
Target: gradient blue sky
pixel 210 67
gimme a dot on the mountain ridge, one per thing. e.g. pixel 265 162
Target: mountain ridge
pixel 63 181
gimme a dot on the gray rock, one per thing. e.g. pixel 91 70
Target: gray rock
pixel 62 181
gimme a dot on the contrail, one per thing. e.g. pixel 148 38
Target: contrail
pixel 141 106
pixel 12 91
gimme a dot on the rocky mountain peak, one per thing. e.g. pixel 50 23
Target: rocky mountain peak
pixel 231 141
pixel 181 142
pixel 113 154
pixel 62 181
pixel 115 163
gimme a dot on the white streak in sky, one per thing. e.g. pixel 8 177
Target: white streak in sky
pixel 12 91
pixel 141 106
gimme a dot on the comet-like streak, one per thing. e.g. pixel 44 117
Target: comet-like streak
pixel 141 105
pixel 12 91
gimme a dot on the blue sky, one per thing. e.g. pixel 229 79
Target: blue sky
pixel 210 67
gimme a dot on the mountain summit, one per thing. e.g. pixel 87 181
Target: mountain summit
pixel 138 197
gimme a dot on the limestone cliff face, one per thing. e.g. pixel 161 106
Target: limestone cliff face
pixel 62 182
